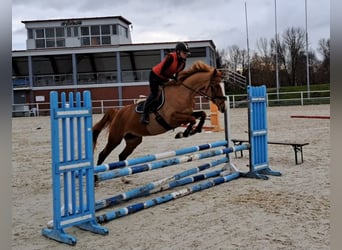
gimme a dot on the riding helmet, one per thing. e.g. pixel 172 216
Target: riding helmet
pixel 183 47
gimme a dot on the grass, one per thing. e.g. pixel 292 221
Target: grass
pixel 286 97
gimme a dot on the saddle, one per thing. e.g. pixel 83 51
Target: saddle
pixel 157 105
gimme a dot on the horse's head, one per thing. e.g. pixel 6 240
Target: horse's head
pixel 215 90
pixel 205 80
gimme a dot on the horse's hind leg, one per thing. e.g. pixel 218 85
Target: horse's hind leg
pixel 112 143
pixel 132 142
pixel 104 153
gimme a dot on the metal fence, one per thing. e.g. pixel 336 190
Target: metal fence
pixel 236 101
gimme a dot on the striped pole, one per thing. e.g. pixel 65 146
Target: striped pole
pixel 145 190
pixel 121 212
pixel 159 156
pixel 168 162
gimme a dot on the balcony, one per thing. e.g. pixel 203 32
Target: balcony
pixel 82 78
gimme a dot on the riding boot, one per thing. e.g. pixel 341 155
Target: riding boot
pixel 145 118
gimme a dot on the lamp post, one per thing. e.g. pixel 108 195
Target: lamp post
pixel 276 47
pixel 307 51
pixel 248 59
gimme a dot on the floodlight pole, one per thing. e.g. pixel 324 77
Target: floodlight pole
pixel 276 48
pixel 307 51
pixel 248 59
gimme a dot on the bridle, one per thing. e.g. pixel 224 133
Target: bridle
pixel 202 93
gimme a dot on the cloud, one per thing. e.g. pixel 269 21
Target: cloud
pixel 222 21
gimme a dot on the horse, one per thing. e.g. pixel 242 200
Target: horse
pixel 176 110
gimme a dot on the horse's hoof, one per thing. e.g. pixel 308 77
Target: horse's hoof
pixel 125 180
pixel 179 135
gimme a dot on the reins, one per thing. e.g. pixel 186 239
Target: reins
pixel 201 93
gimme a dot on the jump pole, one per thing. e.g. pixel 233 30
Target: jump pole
pixel 311 116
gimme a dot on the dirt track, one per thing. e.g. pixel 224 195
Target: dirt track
pixel 288 212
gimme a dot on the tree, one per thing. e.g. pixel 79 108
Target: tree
pixel 294 42
pixel 324 69
pixel 234 57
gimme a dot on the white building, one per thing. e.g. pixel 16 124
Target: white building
pixel 94 54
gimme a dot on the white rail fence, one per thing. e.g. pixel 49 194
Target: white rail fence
pixel 236 101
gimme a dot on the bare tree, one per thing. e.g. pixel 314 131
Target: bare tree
pixel 234 57
pixel 244 61
pixel 264 51
pixel 324 69
pixel 294 41
pixel 324 50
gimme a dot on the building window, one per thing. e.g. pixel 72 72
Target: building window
pixel 95 35
pixel 60 42
pixel 123 31
pixel 68 31
pixel 85 41
pixel 50 43
pixel 50 32
pixel 72 31
pixel 95 40
pixel 76 31
pixel 60 32
pixel 30 34
pixel 50 37
pixel 84 31
pixel 95 30
pixel 40 43
pixel 114 29
pixel 40 33
pixel 105 30
pixel 105 39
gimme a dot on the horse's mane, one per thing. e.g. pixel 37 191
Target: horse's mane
pixel 198 66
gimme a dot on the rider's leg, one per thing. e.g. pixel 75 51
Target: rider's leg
pixel 154 86
pixel 145 118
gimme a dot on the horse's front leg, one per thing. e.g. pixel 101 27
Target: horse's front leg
pixel 186 132
pixel 192 121
pixel 202 115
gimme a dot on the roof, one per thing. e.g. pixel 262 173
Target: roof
pixel 118 47
pixel 80 19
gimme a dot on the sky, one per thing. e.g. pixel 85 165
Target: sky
pixel 225 22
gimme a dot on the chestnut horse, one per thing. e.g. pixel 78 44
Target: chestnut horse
pixel 177 109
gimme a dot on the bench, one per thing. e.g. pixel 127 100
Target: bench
pixel 297 147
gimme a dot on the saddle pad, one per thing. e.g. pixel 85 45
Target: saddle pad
pixel 160 102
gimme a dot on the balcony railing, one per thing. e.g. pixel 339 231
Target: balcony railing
pixel 82 78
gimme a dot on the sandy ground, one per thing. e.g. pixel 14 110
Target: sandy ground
pixel 287 212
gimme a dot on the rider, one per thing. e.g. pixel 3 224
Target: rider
pixel 161 73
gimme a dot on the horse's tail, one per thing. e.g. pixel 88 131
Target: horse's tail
pixel 103 123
